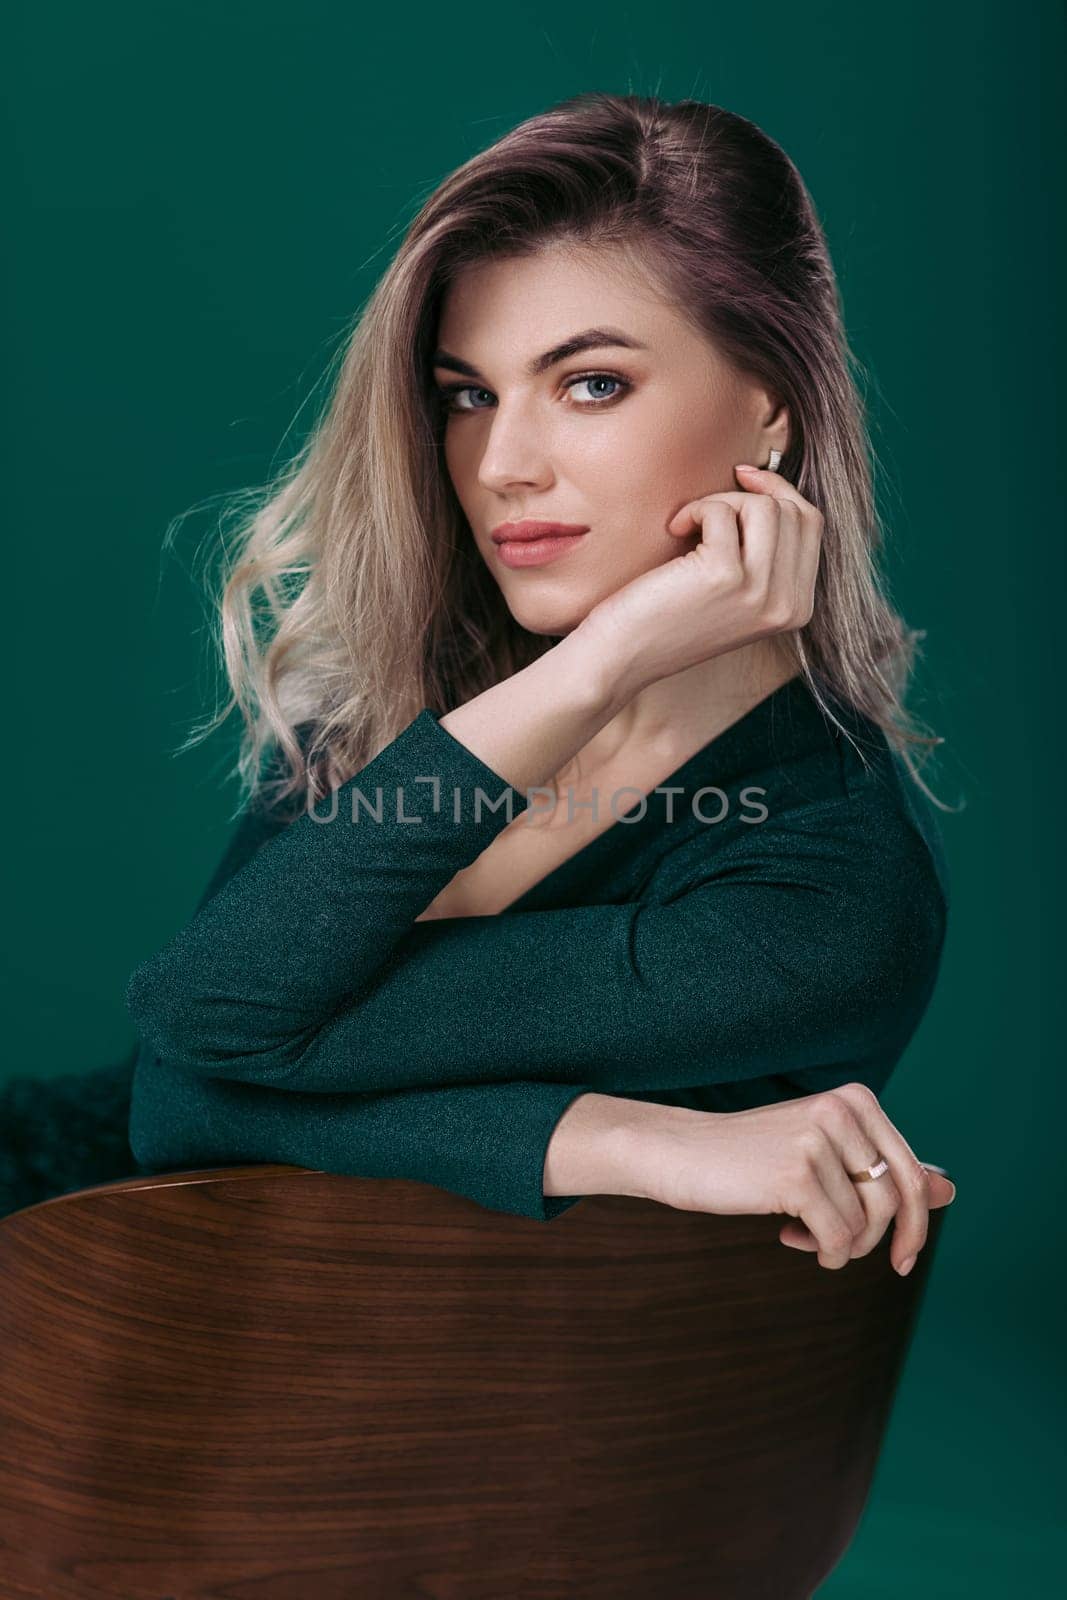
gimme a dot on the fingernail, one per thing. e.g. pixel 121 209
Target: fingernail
pixel 906 1266
pixel 952 1196
pixel 743 466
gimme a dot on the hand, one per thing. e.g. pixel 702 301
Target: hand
pixel 751 574
pixel 795 1157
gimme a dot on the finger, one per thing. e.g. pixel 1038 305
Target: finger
pixel 940 1188
pixel 695 517
pixel 908 1173
pixel 942 1193
pixel 800 550
pixel 763 481
pixel 687 518
pixel 745 526
pixel 814 1207
pixel 832 1231
pixel 717 527
pixel 868 1207
pixel 810 556
pixel 770 539
pixel 785 572
pixel 759 521
pixel 848 1149
pixel 797 1236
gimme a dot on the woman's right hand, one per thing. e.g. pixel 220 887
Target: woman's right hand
pixel 794 1157
pixel 751 574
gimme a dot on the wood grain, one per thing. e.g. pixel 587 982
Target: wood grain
pixel 268 1383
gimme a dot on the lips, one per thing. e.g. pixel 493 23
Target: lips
pixel 521 532
pixel 536 551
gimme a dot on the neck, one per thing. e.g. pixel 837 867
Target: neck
pixel 677 716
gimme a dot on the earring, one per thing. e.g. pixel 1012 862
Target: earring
pixel 772 465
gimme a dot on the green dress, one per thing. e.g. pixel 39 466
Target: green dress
pixel 768 923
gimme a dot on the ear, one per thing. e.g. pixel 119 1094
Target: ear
pixel 768 414
pixel 773 420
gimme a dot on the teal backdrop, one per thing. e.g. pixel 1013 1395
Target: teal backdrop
pixel 202 195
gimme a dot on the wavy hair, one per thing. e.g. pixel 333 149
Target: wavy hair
pixel 352 594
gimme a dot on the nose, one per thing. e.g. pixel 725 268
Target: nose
pixel 515 455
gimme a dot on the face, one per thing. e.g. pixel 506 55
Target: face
pixel 613 438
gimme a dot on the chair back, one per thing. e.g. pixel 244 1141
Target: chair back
pixel 274 1381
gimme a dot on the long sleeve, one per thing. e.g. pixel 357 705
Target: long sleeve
pixel 796 948
pixel 315 913
pixel 486 1142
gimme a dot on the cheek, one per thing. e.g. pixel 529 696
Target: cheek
pixel 632 539
pixel 455 465
pixel 690 462
pixel 670 454
pixel 633 495
pixel 462 453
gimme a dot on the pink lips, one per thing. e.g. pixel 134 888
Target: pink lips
pixel 531 543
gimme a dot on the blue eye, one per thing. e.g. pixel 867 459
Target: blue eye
pixel 449 393
pixel 598 377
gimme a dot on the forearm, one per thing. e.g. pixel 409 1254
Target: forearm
pixel 347 887
pixel 316 913
pixel 486 1142
pixel 529 726
pixel 607 1144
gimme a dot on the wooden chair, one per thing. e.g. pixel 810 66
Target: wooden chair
pixel 274 1382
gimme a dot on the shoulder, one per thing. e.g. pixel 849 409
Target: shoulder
pixel 864 812
pixel 840 898
pixel 842 817
pixel 855 873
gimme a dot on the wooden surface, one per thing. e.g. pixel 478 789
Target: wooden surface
pixel 268 1383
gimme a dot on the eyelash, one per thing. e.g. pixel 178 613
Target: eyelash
pixel 448 392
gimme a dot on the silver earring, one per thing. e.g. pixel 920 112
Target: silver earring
pixel 772 465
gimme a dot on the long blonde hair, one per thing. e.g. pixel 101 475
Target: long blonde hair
pixel 352 594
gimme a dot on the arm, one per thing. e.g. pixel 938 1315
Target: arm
pixel 530 1149
pixel 797 952
pixel 801 949
pixel 316 913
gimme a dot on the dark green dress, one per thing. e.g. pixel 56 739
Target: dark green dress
pixel 768 924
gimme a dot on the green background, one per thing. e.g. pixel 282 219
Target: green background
pixel 200 198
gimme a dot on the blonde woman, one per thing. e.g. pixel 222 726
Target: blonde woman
pixel 585 850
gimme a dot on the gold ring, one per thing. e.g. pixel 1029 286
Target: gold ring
pixel 869 1173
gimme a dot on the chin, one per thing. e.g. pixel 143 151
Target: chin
pixel 550 619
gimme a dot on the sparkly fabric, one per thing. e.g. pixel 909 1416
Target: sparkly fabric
pixel 769 923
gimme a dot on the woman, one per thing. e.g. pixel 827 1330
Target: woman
pixel 634 989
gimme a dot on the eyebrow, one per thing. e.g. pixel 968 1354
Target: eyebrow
pixel 590 339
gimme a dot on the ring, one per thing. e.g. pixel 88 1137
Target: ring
pixel 875 1171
